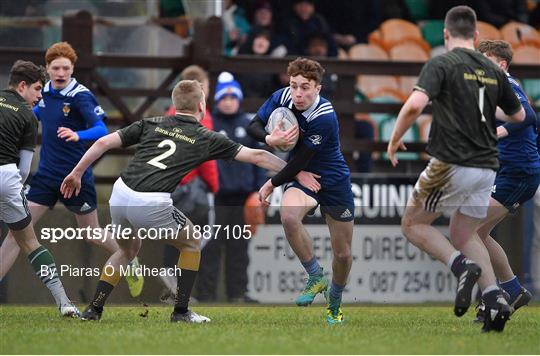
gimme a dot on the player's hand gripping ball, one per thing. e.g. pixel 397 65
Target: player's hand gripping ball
pixel 284 119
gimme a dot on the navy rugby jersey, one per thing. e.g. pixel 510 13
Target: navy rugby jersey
pixel 519 151
pixel 319 130
pixel 74 107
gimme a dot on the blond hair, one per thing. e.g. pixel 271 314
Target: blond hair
pixel 187 95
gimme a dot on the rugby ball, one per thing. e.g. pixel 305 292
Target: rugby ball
pixel 286 116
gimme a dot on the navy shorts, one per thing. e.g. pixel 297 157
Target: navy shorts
pixel 512 190
pixel 46 191
pixel 338 201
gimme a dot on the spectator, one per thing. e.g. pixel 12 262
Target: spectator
pixel 317 46
pixel 263 16
pixel 263 20
pixel 257 84
pixel 352 21
pixel 236 27
pixel 237 182
pixel 304 22
pixel 258 43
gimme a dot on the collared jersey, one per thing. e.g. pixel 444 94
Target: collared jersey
pixel 169 148
pixel 319 130
pixel 518 151
pixel 74 107
pixel 18 127
pixel 465 88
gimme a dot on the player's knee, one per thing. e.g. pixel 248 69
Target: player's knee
pixel 459 236
pixel 406 228
pixel 343 256
pixel 289 219
pixel 483 235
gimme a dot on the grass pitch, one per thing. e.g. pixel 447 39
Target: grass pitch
pixel 265 330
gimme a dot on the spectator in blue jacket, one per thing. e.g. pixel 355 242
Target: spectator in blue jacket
pixel 237 182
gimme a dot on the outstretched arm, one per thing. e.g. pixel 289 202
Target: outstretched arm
pixel 413 107
pixel 271 162
pixel 72 183
pixel 261 158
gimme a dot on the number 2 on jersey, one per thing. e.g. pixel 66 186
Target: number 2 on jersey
pixel 156 160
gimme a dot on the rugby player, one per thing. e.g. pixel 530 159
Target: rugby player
pixel 18 136
pixel 168 148
pixel 70 117
pixel 465 88
pixel 517 179
pixel 317 151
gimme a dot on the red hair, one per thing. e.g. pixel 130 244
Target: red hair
pixel 60 49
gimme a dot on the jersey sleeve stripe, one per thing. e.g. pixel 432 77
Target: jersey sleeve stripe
pixel 320 114
pixel 286 92
pixel 288 97
pixel 77 91
pixel 416 87
pixel 319 109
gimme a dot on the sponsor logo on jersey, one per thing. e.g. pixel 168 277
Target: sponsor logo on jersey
pixel 315 139
pixel 175 135
pixel 8 106
pixel 480 78
pixel 98 110
pixel 66 109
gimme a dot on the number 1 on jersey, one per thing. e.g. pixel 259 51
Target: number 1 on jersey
pixel 481 95
pixel 156 160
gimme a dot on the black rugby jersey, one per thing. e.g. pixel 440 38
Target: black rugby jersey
pixel 169 148
pixel 18 127
pixel 458 83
